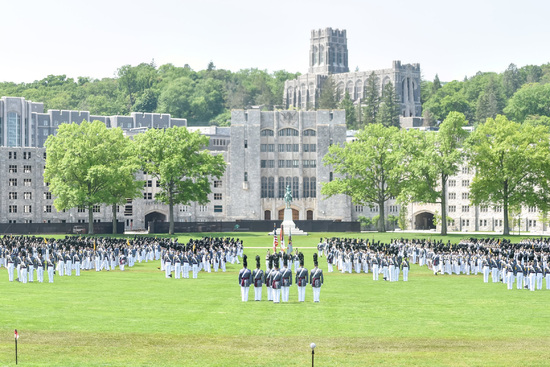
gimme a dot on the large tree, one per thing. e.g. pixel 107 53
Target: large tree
pixel 371 100
pixel 369 169
pixel 329 95
pixel 529 100
pixel 434 156
pixel 83 162
pixel 511 162
pixel 389 108
pixel 351 113
pixel 182 164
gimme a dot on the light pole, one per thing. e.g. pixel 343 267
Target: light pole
pixel 312 345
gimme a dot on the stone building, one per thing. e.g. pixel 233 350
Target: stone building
pixel 328 56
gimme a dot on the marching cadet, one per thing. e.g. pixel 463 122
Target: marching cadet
pixel 296 259
pixel 320 247
pixel 547 274
pixel 276 280
pixel 538 271
pixel 510 274
pixel 23 269
pixel 268 278
pixel 122 262
pixel 286 275
pixel 301 279
pixel 531 276
pixel 76 262
pixel 51 265
pixel 167 265
pixel 405 267
pixel 485 267
pixel 244 280
pixel 330 260
pixel 518 270
pixel 194 261
pixel 316 279
pixel 185 267
pixel 11 266
pixel 375 271
pixel 30 268
pixel 258 276
pixel 177 265
pixel 40 269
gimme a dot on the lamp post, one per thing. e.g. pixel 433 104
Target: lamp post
pixel 312 345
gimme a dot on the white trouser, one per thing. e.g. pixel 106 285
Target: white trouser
pixel 316 293
pixel 301 294
pixel 244 294
pixel 285 292
pixel 547 280
pixel 177 270
pixel 510 280
pixel 330 270
pixel 77 264
pixel 485 274
pixel 23 275
pixel 185 270
pixel 276 295
pixel 40 274
pixel 167 268
pixel 50 274
pixel 257 293
pixel 195 270
pixel 405 274
pixel 519 281
pixel 375 272
pixel 269 294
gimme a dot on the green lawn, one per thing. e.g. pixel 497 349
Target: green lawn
pixel 139 318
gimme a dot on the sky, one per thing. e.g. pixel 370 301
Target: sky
pixel 453 39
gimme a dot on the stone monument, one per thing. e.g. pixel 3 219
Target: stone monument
pixel 288 223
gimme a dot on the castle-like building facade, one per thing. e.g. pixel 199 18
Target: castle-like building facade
pixel 328 57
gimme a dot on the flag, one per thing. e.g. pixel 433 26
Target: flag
pixel 16 334
pixel 289 240
pixel 283 247
pixel 94 244
pixel 128 242
pixel 46 240
pixel 275 243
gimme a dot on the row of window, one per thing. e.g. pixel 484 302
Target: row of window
pixel 202 208
pixel 288 132
pixel 28 208
pixel 282 148
pixel 309 187
pixel 288 163
pixel 26 155
pixel 13 182
pixel 465 183
pixel 28 195
pixel 465 196
pixel 12 168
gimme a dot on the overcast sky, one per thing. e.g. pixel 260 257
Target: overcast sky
pixel 93 38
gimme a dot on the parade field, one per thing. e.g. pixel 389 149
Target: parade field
pixel 140 318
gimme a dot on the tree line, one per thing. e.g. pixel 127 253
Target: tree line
pixel 510 161
pixel 205 96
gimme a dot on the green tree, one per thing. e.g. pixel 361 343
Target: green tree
pixel 371 99
pixel 511 163
pixel 436 84
pixel 531 99
pixel 369 169
pixel 82 165
pixel 511 80
pixel 491 101
pixel 388 112
pixel 434 157
pixel 181 163
pixel 351 115
pixel 329 95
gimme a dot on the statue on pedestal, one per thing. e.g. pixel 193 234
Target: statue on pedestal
pixel 288 197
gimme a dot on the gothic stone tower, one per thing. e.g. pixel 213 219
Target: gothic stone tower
pixel 328 51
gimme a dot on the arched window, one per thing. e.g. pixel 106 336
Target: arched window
pixel 271 187
pixel 309 132
pixel 295 187
pixel 264 187
pixel 266 132
pixel 288 132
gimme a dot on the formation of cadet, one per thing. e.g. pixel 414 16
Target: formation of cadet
pixel 362 256
pixel 25 256
pixel 524 263
pixel 278 280
pixel 206 254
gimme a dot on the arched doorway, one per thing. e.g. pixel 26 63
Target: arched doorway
pixel 309 215
pixel 424 220
pixel 295 214
pixel 155 217
pixel 267 215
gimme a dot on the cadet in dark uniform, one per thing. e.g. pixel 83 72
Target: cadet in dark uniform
pixel 301 279
pixel 276 280
pixel 245 278
pixel 286 275
pixel 268 278
pixel 316 279
pixel 258 277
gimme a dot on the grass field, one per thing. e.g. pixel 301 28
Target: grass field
pixel 139 318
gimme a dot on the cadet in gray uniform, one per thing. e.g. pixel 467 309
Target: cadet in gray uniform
pixel 286 274
pixel 258 277
pixel 245 278
pixel 301 279
pixel 276 280
pixel 316 279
